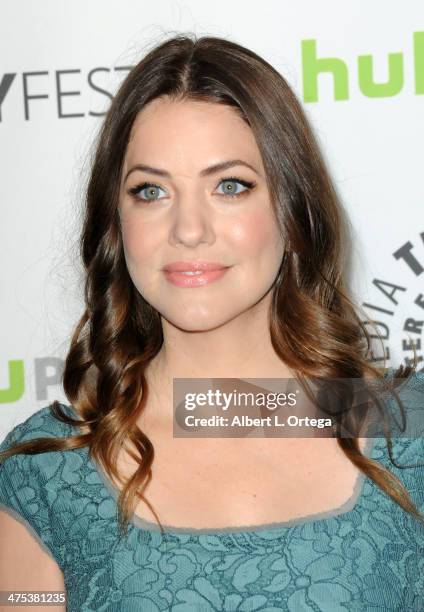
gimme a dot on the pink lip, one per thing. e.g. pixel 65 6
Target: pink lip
pixel 196 280
pixel 192 266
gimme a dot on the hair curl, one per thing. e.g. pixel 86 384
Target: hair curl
pixel 119 332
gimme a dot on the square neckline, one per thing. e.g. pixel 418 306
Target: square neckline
pixel 273 528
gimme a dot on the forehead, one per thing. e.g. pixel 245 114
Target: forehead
pixel 188 129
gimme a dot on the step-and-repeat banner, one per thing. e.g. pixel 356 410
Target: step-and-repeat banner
pixel 356 66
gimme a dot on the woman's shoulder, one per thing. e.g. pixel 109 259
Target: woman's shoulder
pixel 40 424
pixel 38 467
pixel 32 484
pixel 409 423
pixel 406 457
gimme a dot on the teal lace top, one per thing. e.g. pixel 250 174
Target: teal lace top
pixel 366 555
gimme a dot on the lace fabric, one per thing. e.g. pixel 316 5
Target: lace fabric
pixel 366 555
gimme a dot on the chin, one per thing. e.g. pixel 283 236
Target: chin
pixel 193 321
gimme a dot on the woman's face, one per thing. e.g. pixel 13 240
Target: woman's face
pixel 185 213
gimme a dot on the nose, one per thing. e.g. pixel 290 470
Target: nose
pixel 192 220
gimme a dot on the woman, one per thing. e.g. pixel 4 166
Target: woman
pixel 206 156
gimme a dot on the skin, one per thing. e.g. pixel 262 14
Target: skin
pixel 220 329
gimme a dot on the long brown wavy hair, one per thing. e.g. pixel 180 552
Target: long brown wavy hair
pixel 314 324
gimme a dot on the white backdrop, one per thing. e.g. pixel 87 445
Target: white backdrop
pixel 80 51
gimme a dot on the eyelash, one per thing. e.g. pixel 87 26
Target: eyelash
pixel 249 184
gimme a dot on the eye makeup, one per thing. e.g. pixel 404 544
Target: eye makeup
pixel 249 185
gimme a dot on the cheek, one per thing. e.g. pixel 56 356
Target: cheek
pixel 139 242
pixel 258 236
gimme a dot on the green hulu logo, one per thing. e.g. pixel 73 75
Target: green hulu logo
pixel 312 66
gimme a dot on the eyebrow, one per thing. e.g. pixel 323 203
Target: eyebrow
pixel 205 172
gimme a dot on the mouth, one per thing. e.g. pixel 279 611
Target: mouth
pixel 194 278
pixel 194 266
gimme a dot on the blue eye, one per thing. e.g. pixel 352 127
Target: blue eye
pixel 151 190
pixel 230 188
